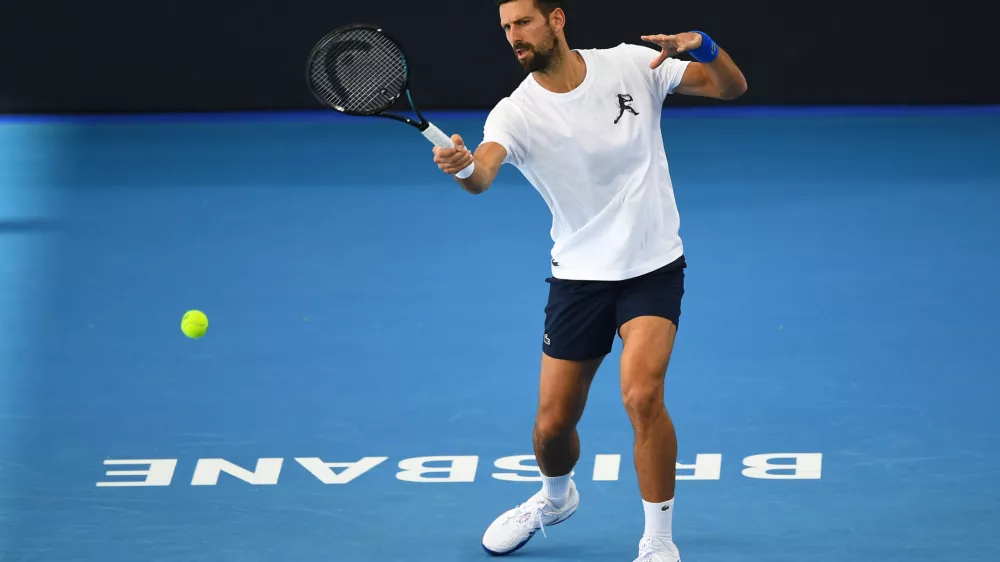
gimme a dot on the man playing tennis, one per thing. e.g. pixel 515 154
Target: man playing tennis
pixel 584 129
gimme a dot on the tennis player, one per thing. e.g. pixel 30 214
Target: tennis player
pixel 584 129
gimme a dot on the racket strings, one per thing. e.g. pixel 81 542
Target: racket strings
pixel 359 71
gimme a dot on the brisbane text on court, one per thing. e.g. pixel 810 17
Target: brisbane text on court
pixel 430 469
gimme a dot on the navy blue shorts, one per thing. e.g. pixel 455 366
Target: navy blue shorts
pixel 582 318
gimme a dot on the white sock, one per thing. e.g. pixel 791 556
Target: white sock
pixel 659 519
pixel 556 488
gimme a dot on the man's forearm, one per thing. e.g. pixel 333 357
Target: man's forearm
pixel 488 158
pixel 478 182
pixel 719 69
pixel 726 76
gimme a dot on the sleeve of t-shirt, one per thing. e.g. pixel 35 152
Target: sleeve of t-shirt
pixel 665 78
pixel 505 125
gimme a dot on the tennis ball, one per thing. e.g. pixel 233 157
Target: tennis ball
pixel 194 324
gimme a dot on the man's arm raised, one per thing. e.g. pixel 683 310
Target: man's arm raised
pixel 715 75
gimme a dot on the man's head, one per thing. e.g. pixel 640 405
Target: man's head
pixel 534 30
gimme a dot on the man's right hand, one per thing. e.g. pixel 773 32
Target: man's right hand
pixel 453 160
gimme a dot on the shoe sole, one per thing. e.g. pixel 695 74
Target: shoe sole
pixel 525 541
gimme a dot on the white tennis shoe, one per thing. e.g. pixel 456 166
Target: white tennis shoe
pixel 657 550
pixel 514 529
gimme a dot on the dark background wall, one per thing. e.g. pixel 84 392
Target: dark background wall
pixel 188 55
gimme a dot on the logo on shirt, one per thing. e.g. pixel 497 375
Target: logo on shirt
pixel 623 104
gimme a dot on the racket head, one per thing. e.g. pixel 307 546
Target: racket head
pixel 357 69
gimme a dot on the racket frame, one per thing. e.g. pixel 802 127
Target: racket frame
pixel 430 131
pixel 422 124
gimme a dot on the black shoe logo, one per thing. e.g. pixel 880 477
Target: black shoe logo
pixel 623 104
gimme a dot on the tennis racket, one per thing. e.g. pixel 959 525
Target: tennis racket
pixel 359 70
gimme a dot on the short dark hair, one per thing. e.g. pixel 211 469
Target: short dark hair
pixel 544 6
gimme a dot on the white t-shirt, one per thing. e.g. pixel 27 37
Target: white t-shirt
pixel 601 168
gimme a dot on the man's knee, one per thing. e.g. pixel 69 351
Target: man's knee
pixel 648 346
pixel 643 400
pixel 562 396
pixel 552 424
pixel 646 365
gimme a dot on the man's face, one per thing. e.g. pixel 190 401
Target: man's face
pixel 530 34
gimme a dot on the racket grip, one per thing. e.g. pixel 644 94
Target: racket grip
pixel 437 136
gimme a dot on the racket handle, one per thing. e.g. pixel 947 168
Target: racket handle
pixel 437 136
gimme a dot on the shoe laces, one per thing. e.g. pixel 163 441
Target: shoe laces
pixel 530 514
pixel 647 550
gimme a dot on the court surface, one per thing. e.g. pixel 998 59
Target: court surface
pixel 840 315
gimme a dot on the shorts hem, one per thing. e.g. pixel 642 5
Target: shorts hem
pixel 580 357
pixel 675 321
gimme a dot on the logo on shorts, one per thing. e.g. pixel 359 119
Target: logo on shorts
pixel 623 104
pixel 545 338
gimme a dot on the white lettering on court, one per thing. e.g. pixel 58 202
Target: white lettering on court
pixel 517 463
pixel 322 470
pixel 445 468
pixel 458 469
pixel 160 472
pixel 804 466
pixel 706 467
pixel 606 467
pixel 207 471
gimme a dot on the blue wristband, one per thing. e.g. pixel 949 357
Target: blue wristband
pixel 708 51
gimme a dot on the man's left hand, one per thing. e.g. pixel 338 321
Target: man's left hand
pixel 671 45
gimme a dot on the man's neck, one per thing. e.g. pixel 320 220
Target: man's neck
pixel 566 75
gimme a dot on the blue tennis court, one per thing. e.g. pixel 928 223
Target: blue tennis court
pixel 367 386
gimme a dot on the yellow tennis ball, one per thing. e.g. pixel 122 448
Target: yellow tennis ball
pixel 194 324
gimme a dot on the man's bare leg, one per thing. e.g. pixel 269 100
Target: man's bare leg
pixel 647 345
pixel 562 396
pixel 563 390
